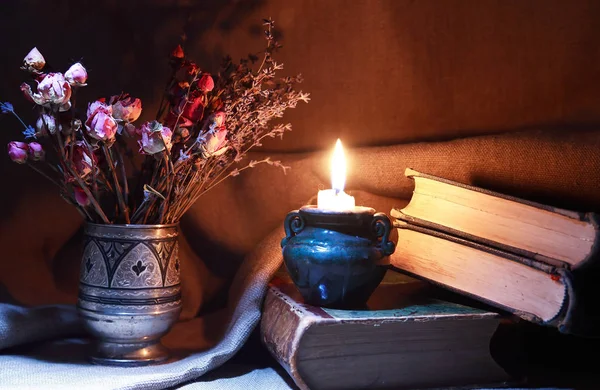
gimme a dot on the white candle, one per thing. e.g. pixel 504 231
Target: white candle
pixel 335 198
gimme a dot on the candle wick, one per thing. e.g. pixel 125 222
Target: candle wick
pixel 337 191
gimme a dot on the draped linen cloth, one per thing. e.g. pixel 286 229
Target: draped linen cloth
pixel 230 248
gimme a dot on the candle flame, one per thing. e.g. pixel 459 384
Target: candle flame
pixel 338 168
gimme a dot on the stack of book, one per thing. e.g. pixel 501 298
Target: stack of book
pixel 501 254
pixel 530 259
pixel 406 338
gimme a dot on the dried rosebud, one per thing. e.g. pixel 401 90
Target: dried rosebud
pixel 206 83
pixel 34 60
pixel 178 92
pixel 186 73
pixel 46 124
pixel 219 119
pixel 36 152
pixel 213 144
pixel 194 109
pixel 177 52
pixel 53 89
pixel 155 138
pixel 192 68
pixel 81 197
pixel 127 109
pixel 76 125
pixel 83 159
pixel 100 124
pixel 76 75
pixel 17 151
pixel 182 132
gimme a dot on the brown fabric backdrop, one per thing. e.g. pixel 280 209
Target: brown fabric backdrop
pixel 380 73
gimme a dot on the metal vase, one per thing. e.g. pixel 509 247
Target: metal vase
pixel 129 291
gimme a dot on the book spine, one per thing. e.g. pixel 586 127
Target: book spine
pixel 565 324
pixel 282 327
pixel 592 260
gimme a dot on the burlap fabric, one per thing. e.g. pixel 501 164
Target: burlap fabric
pixel 560 168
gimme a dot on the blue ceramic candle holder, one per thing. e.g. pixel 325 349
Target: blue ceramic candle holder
pixel 333 257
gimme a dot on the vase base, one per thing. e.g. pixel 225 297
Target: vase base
pixel 129 354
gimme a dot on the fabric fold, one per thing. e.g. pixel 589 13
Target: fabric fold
pixel 62 364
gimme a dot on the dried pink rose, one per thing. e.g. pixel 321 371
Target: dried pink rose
pixel 53 89
pixel 76 75
pixel 36 151
pixel 213 144
pixel 46 124
pixel 81 197
pixel 155 138
pixel 127 109
pixel 100 103
pixel 206 83
pixel 100 124
pixel 34 60
pixel 83 159
pixel 17 151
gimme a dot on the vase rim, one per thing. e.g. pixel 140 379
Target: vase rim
pixel 133 225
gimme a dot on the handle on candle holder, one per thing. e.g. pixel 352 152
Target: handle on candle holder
pixel 382 228
pixel 293 224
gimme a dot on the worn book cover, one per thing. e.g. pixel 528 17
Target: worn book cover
pixel 397 340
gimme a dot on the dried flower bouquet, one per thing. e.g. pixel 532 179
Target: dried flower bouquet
pixel 203 129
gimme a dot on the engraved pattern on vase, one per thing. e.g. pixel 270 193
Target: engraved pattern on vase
pixel 130 270
pixel 138 269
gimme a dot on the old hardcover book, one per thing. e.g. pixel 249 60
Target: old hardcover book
pixel 404 338
pixel 548 234
pixel 532 290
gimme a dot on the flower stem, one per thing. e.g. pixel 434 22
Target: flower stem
pixel 44 174
pixel 121 201
pixel 80 182
pixel 170 180
pixel 197 196
pixel 125 184
pixel 19 118
pixel 94 167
